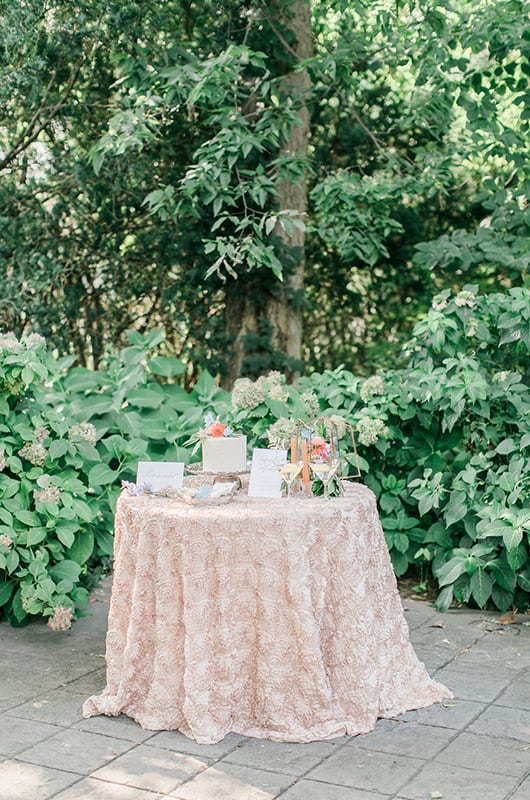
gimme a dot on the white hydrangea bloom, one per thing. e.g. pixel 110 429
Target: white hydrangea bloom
pixel 85 430
pixel 311 403
pixel 340 425
pixel 8 341
pixel 370 430
pixel 370 387
pixel 34 452
pixel 50 494
pixel 281 432
pixel 41 434
pixel 465 298
pixel 438 304
pixel 247 394
pixel 62 619
pixel 277 392
pixel 34 340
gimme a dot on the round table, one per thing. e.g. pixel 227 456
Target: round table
pixel 273 618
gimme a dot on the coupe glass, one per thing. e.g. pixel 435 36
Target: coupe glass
pixel 325 471
pixel 290 473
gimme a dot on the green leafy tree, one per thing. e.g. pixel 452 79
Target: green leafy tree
pixel 369 154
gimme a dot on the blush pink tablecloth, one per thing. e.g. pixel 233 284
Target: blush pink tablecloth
pixel 277 619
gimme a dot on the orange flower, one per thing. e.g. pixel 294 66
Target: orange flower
pixel 216 429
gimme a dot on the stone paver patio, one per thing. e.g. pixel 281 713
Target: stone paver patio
pixel 475 747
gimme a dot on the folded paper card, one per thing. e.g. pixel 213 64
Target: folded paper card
pixel 265 478
pixel 157 475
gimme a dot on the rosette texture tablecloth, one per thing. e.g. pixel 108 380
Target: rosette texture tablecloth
pixel 278 619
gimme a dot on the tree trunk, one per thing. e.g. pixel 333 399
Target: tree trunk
pixel 282 307
pixel 241 321
pixel 284 310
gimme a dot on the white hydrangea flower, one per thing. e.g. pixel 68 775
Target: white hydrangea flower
pixel 41 434
pixel 465 298
pixel 277 392
pixel 85 430
pixel 62 619
pixel 281 432
pixel 439 304
pixel 272 385
pixel 8 341
pixel 500 377
pixel 247 394
pixel 340 424
pixel 34 452
pixel 50 494
pixel 272 377
pixel 311 403
pixel 34 340
pixel 370 430
pixel 370 387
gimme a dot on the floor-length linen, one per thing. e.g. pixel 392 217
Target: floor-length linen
pixel 270 618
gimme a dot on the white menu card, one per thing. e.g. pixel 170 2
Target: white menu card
pixel 159 475
pixel 265 478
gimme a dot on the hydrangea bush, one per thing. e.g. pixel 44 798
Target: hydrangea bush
pixel 444 443
pixel 48 509
pixel 69 437
pixel 270 412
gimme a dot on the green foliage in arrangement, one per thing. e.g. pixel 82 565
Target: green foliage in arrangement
pixel 444 443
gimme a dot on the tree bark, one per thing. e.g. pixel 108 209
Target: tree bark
pixel 285 315
pixel 281 307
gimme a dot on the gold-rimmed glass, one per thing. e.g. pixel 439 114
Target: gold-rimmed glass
pixel 325 471
pixel 290 472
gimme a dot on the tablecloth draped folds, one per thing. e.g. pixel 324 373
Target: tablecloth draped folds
pixel 278 619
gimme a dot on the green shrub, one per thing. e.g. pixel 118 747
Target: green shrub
pixel 69 436
pixel 137 406
pixel 450 453
pixel 49 508
pixel 444 443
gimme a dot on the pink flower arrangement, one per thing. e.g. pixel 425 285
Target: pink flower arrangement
pixel 215 429
pixel 212 427
pixel 320 449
